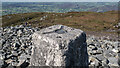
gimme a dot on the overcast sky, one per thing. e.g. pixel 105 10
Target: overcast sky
pixel 60 0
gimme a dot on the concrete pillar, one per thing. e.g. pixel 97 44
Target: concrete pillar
pixel 59 45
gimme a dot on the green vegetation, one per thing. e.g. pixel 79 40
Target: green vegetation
pixel 87 21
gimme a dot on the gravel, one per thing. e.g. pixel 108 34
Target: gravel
pixel 16 45
pixel 104 52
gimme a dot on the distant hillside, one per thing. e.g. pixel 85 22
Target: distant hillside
pixel 88 21
pixel 25 7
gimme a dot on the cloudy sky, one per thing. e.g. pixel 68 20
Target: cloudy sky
pixel 60 0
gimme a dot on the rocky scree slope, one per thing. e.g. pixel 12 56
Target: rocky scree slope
pixel 16 48
pixel 103 52
pixel 15 45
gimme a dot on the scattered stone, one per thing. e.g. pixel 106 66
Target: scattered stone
pixel 1 62
pixel 105 61
pixel 15 42
pixel 14 53
pixel 19 33
pixel 12 42
pixel 9 61
pixel 100 57
pixel 104 49
pixel 22 59
pixel 115 50
pixel 17 45
pixel 93 61
pixel 113 61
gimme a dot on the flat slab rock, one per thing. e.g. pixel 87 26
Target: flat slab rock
pixel 59 45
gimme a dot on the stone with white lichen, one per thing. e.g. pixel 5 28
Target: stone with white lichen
pixel 59 45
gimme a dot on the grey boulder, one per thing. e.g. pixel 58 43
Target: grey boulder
pixel 59 45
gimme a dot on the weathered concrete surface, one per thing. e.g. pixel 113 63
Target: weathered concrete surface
pixel 59 45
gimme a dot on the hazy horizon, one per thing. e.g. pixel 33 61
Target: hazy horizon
pixel 60 1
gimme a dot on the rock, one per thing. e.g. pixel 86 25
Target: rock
pixel 91 46
pixel 12 41
pixel 19 33
pixel 9 56
pixel 1 47
pixel 24 64
pixel 115 50
pixel 2 42
pixel 100 57
pixel 105 47
pixel 21 37
pixel 105 61
pixel 17 45
pixel 14 64
pixel 22 59
pixel 14 53
pixel 1 57
pixel 20 62
pixel 21 26
pixel 28 51
pixel 1 63
pixel 107 54
pixel 93 61
pixel 119 59
pixel 100 51
pixel 94 52
pixel 59 45
pixel 113 61
pixel 9 61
